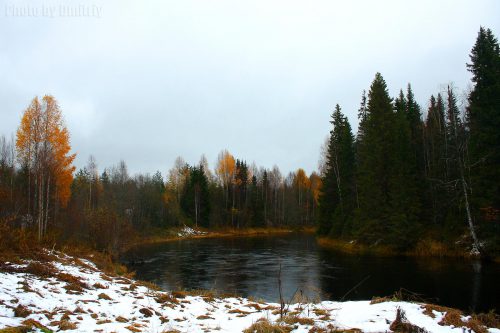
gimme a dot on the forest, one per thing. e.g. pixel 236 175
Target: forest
pixel 410 173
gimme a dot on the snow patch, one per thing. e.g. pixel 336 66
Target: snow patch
pixel 119 304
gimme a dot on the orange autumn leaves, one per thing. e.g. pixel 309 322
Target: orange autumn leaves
pixel 43 145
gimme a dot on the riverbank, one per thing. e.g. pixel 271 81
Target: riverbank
pixel 424 248
pixel 58 292
pixel 176 234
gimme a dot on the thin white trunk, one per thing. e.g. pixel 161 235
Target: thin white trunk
pixel 47 207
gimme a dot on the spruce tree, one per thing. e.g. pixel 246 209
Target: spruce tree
pixel 483 120
pixel 337 198
pixel 195 200
pixel 435 162
pixel 388 204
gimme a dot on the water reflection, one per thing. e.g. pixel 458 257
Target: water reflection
pixel 249 267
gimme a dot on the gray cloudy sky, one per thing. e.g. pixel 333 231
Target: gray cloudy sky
pixel 146 81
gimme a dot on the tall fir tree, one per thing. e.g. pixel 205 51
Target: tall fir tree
pixel 388 204
pixel 195 200
pixel 337 197
pixel 483 120
pixel 434 159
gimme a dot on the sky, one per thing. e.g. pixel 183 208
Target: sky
pixel 147 81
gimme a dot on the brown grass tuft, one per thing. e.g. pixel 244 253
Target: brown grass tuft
pixel 67 325
pixel 179 294
pixel 44 270
pixel 265 326
pixel 104 296
pixel 490 319
pixel 292 320
pixel 146 312
pixel 377 300
pixel 31 323
pixel 98 285
pixel 204 317
pixel 133 328
pixel 402 325
pixel 21 311
pixel 18 329
pixel 166 298
pixel 239 311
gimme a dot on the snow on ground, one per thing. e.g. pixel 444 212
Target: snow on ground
pixel 72 294
pixel 187 231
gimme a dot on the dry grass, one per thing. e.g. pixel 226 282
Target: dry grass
pixel 292 320
pixel 402 325
pixel 133 328
pixel 490 319
pixel 73 283
pixel 21 311
pixel 162 236
pixel 259 307
pixel 241 312
pixel 147 284
pixel 104 296
pixel 166 298
pixel 429 308
pixel 265 326
pixel 35 324
pixel 454 318
pixel 377 300
pixel 146 312
pixel 18 329
pixel 43 270
pixel 179 294
pixel 339 330
pixel 65 325
pixel 424 248
pixel 434 248
pixel 98 285
pixel 103 261
pixel 204 317
pixel 322 313
pixel 356 248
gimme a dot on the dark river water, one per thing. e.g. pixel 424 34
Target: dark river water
pixel 249 266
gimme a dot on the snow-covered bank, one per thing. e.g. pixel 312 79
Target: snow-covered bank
pixel 67 293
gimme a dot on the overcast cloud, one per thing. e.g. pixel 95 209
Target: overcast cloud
pixel 147 81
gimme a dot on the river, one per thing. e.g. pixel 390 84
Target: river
pixel 249 266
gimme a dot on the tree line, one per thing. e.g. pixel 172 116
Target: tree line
pixel 405 177
pixel 407 174
pixel 109 207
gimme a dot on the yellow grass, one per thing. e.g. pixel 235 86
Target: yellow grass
pixel 169 235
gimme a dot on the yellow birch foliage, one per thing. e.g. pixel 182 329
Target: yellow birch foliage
pixel 43 142
pixel 226 167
